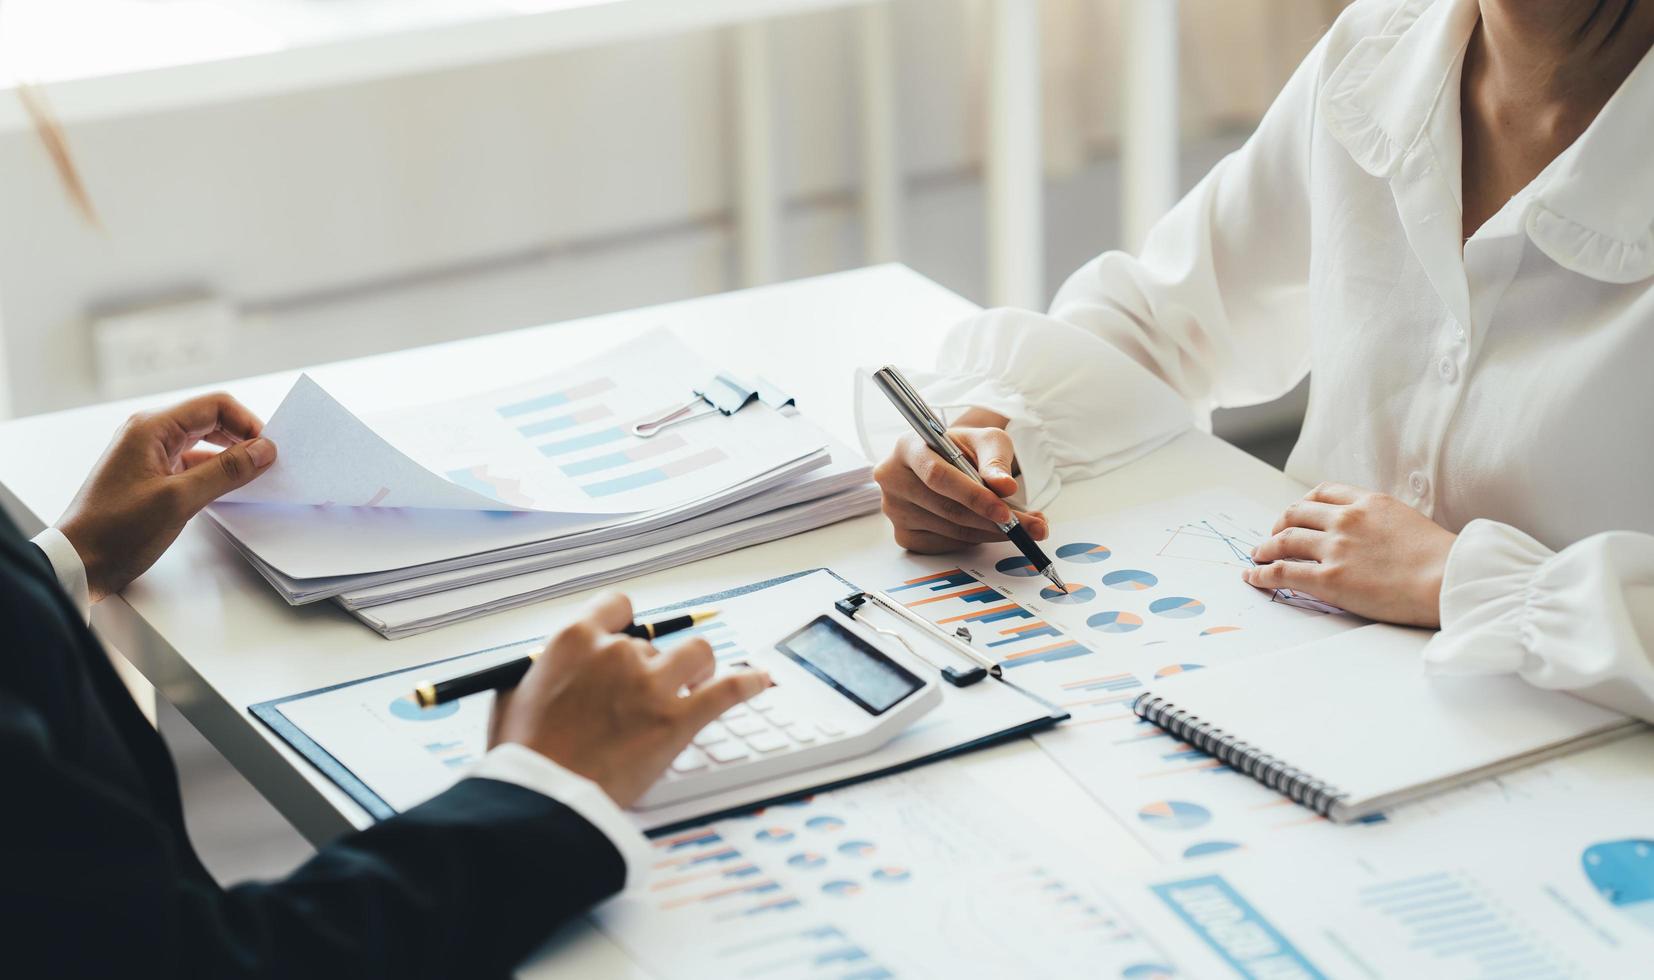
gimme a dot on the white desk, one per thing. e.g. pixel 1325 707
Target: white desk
pixel 213 638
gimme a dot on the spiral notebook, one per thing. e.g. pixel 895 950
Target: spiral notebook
pixel 1351 725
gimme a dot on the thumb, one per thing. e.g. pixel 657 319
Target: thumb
pixel 236 466
pixel 994 457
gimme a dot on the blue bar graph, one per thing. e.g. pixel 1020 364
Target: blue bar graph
pixel 940 582
pixel 599 438
pixel 1046 630
pixel 1448 919
pixel 621 484
pixel 1057 651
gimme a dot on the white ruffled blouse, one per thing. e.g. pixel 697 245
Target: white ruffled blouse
pixel 1505 390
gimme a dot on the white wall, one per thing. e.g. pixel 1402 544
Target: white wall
pixel 398 213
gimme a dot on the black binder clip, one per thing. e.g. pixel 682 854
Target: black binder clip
pixel 852 606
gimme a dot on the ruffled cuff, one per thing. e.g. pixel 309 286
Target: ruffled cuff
pixel 1486 588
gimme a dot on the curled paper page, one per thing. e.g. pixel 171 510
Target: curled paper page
pixel 329 457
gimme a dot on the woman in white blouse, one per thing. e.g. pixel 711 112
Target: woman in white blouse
pixel 1447 220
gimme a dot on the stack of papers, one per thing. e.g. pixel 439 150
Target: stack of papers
pixel 431 515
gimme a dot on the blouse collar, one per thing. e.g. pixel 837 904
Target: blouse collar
pixel 1592 211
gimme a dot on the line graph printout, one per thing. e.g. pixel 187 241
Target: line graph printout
pixel 907 876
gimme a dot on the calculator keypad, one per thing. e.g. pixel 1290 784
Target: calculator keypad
pixel 762 727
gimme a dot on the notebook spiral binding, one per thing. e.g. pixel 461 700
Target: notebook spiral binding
pixel 1275 773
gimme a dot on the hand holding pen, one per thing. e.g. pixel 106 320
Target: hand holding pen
pixel 942 495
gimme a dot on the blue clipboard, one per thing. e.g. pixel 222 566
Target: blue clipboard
pixel 270 713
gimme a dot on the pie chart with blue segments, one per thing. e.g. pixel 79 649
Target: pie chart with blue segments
pixel 1174 815
pixel 825 824
pixel 1210 847
pixel 1084 552
pixel 1130 580
pixel 1171 669
pixel 1017 566
pixel 407 709
pixel 1622 872
pixel 1076 595
pixel 774 835
pixel 1148 971
pixel 807 859
pixel 891 875
pixel 840 888
pixel 856 848
pixel 1177 607
pixel 1114 621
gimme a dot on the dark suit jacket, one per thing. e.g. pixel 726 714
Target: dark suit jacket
pixel 97 877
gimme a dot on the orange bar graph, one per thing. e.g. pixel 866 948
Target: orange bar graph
pixel 951 595
pixel 981 613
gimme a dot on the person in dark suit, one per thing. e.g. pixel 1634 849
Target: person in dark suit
pixel 97 875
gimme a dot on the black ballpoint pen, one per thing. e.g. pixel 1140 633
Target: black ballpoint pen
pixel 934 432
pixel 430 694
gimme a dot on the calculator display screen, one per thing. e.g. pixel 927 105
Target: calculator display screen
pixel 850 664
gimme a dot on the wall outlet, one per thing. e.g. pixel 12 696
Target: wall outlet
pixel 160 346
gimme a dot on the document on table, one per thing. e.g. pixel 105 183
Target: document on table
pixel 924 874
pixel 1155 591
pixel 1529 883
pixel 531 463
pixel 371 739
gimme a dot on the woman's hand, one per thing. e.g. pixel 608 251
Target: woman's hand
pixel 152 479
pixel 1368 553
pixel 935 508
pixel 610 708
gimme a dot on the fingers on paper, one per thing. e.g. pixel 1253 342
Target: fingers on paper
pixel 1292 542
pixel 1299 576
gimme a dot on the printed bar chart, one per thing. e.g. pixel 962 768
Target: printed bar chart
pixel 557 423
pixel 1012 634
pixel 658 446
pixel 1444 916
pixel 554 399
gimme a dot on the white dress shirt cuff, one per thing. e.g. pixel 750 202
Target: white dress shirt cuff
pixel 522 766
pixel 69 569
pixel 1485 601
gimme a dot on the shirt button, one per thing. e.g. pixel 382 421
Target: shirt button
pixel 1419 484
pixel 1447 369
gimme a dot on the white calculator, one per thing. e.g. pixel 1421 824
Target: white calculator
pixel 836 696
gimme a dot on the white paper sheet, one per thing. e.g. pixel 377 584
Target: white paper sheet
pixel 532 463
pixel 1095 651
pixel 917 875
pixel 406 617
pixel 1559 885
pixel 328 457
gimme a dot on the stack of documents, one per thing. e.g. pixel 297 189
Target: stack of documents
pixel 435 514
